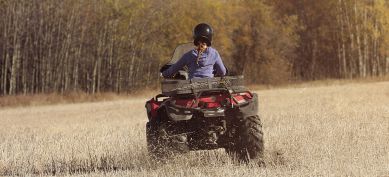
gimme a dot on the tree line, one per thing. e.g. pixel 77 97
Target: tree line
pixel 119 45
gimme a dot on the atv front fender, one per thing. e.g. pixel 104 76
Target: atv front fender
pixel 245 110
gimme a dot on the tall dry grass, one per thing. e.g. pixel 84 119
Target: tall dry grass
pixel 316 131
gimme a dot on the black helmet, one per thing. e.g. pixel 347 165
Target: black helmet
pixel 202 32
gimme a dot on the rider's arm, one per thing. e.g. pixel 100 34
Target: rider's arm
pixel 219 66
pixel 175 67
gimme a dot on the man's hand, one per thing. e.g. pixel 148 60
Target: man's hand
pixel 200 49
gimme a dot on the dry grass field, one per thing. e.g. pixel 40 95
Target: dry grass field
pixel 338 130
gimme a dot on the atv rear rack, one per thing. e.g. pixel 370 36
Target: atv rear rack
pixel 173 87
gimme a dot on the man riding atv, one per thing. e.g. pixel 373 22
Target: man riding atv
pixel 200 111
pixel 203 60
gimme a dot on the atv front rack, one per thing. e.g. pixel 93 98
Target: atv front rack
pixel 173 87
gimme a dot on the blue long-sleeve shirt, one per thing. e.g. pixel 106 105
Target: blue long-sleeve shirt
pixel 209 60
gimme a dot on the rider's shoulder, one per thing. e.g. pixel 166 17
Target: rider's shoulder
pixel 189 53
pixel 212 50
pixel 187 56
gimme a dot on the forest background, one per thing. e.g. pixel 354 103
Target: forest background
pixel 92 46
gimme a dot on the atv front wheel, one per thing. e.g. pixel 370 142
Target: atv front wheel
pixel 248 143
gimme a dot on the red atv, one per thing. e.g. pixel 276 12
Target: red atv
pixel 204 114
